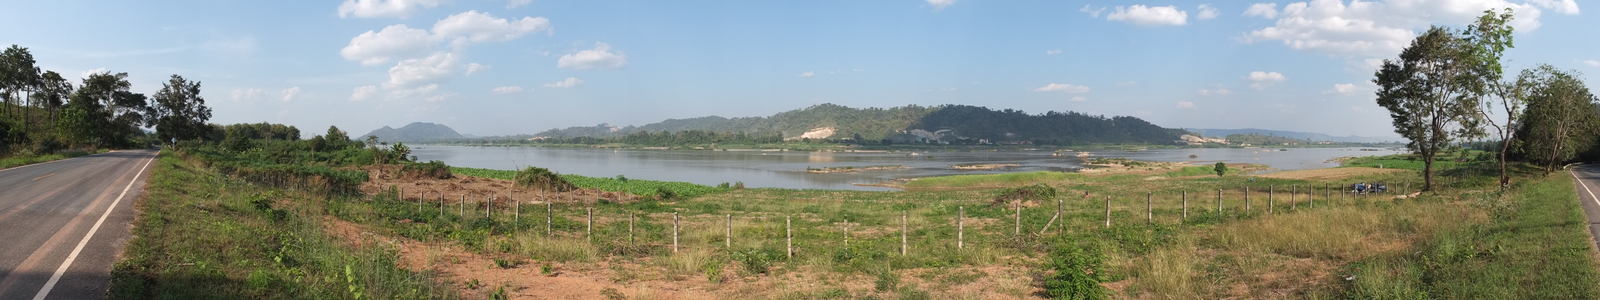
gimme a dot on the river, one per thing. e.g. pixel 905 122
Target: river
pixel 787 169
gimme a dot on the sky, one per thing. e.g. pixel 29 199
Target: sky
pixel 502 67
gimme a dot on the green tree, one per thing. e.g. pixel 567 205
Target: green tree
pixel 1560 120
pixel 1428 92
pixel 180 112
pixel 77 126
pixel 1487 42
pixel 337 139
pixel 18 74
pixel 1221 169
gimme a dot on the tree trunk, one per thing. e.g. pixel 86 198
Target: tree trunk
pixel 1427 172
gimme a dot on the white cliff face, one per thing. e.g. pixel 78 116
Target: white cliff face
pixel 816 133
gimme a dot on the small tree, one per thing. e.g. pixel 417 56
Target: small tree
pixel 1221 169
pixel 1429 92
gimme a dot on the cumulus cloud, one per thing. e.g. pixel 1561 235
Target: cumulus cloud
pixel 808 74
pixel 1093 12
pixel 1078 99
pixel 1342 88
pixel 247 95
pixel 1053 52
pixel 480 27
pixel 507 90
pixel 1264 10
pixel 1185 105
pixel 475 68
pixel 569 82
pixel 1218 92
pixel 384 8
pixel 363 92
pixel 290 94
pixel 1150 15
pixel 1064 88
pixel 437 98
pixel 93 71
pixel 1261 80
pixel 600 57
pixel 1592 63
pixel 1206 12
pixel 1561 6
pixel 940 4
pixel 427 70
pixel 395 41
pixel 1380 29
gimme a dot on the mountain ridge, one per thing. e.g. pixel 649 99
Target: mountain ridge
pixel 1319 137
pixel 415 132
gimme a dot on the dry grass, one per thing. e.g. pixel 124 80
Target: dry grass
pixel 1329 174
pixel 560 249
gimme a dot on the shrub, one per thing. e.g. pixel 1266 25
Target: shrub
pixel 541 178
pixel 1032 192
pixel 1078 271
pixel 431 169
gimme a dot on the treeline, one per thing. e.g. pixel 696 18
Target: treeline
pixel 45 112
pixel 1258 139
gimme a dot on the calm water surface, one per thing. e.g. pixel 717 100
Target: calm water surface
pixel 787 169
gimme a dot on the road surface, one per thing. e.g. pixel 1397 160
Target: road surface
pixel 1588 181
pixel 63 223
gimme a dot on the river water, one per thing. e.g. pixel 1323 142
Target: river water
pixel 787 169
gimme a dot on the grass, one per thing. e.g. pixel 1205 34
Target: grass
pixel 27 159
pixel 643 188
pixel 201 235
pixel 993 180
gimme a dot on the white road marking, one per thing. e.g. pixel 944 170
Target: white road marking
pixel 1585 186
pixel 74 255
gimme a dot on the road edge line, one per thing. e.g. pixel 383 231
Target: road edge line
pixel 48 285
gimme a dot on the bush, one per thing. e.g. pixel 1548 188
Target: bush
pixel 1078 271
pixel 541 178
pixel 431 169
pixel 1032 192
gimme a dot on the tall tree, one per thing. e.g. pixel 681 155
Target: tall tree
pixel 114 112
pixel 1488 41
pixel 1560 120
pixel 53 92
pixel 1428 92
pixel 18 74
pixel 180 112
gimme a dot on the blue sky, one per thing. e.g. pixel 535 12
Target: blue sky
pixel 497 67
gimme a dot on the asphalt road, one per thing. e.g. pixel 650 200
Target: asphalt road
pixel 1588 181
pixel 56 231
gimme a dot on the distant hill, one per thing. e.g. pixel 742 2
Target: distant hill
pixel 912 123
pixel 414 132
pixel 1317 137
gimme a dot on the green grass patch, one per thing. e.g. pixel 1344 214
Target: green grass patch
pixel 643 188
pixel 202 235
pixel 20 160
pixel 993 180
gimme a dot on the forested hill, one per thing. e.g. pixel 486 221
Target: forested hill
pixel 414 132
pixel 912 123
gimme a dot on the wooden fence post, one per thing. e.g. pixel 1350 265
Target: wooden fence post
pixel 463 209
pixel 1294 190
pixel 1019 220
pixel 902 233
pixel 589 230
pixel 961 227
pixel 1061 227
pixel 1149 211
pixel 516 212
pixel 1247 199
pixel 728 239
pixel 1342 190
pixel 488 208
pixel 1327 193
pixel 674 232
pixel 630 228
pixel 788 229
pixel 1108 212
pixel 847 233
pixel 1185 205
pixel 1311 196
pixel 549 218
pixel 1272 190
pixel 420 199
pixel 441 204
pixel 1219 201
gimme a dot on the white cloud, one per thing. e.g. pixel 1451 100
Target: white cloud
pixel 1150 16
pixel 808 74
pixel 1078 99
pixel 481 27
pixel 507 90
pixel 1264 10
pixel 248 95
pixel 1561 6
pixel 363 92
pixel 93 71
pixel 475 68
pixel 1053 52
pixel 1185 104
pixel 1592 63
pixel 1376 29
pixel 395 41
pixel 290 94
pixel 569 82
pixel 1062 87
pixel 1342 88
pixel 1218 92
pixel 382 8
pixel 416 71
pixel 1206 12
pixel 437 98
pixel 1093 12
pixel 1264 79
pixel 600 57
pixel 510 4
pixel 940 4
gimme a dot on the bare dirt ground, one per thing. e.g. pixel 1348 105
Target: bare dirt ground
pixel 1328 174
